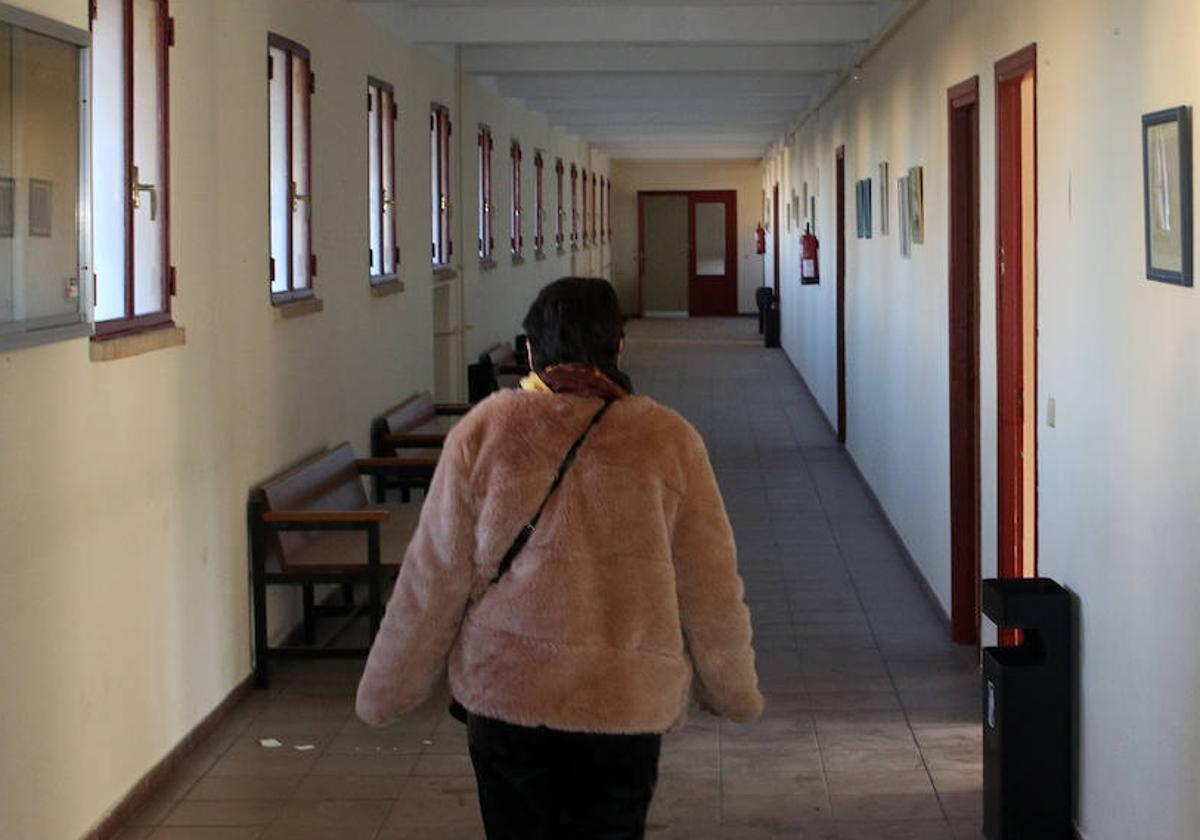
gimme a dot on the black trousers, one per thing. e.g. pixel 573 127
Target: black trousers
pixel 543 784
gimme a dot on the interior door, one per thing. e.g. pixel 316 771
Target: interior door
pixel 664 254
pixel 712 254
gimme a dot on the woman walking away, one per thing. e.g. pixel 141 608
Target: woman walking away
pixel 575 573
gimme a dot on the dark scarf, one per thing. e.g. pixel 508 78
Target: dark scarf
pixel 582 380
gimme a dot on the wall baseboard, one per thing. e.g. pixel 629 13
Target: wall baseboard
pixel 157 776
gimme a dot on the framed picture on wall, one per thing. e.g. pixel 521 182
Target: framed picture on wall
pixel 8 208
pixel 884 210
pixel 1167 191
pixel 916 205
pixel 903 226
pixel 868 219
pixel 858 209
pixel 40 207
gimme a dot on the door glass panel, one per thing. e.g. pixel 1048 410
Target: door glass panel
pixel 108 159
pixel 710 239
pixel 148 215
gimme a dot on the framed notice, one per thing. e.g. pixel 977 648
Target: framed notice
pixel 1167 191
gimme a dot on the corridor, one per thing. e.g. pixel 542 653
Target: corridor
pixel 871 730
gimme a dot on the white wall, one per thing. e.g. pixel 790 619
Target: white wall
pixel 1119 513
pixel 125 611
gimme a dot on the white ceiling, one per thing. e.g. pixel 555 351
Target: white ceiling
pixel 657 79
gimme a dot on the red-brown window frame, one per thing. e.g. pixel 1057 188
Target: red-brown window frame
pixel 487 242
pixel 384 198
pixel 583 203
pixel 574 206
pixel 539 203
pixel 440 130
pixel 560 226
pixel 516 235
pixel 603 216
pixel 293 49
pixel 608 210
pixel 166 39
pixel 595 240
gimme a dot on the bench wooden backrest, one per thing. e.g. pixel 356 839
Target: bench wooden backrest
pixel 417 409
pixel 328 481
pixel 500 354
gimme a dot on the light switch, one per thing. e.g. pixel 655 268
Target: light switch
pixel 1052 413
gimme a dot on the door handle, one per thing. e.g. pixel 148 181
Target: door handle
pixel 138 188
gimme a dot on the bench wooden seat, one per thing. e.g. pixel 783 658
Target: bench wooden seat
pixel 415 431
pixel 313 524
pixel 500 366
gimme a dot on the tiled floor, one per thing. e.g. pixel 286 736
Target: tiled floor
pixel 871 730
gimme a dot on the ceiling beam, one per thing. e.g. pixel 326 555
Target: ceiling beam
pixel 807 23
pixel 589 58
pixel 658 86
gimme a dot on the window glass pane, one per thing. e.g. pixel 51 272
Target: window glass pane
pixel 279 169
pixel 435 157
pixel 149 226
pixel 7 181
pixel 109 197
pixel 710 239
pixel 375 189
pixel 302 205
pixel 388 128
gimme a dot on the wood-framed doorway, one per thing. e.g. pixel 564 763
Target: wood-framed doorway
pixel 840 199
pixel 963 296
pixel 711 268
pixel 1016 312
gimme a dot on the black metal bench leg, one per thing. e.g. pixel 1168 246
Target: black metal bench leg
pixel 348 595
pixel 374 584
pixel 258 560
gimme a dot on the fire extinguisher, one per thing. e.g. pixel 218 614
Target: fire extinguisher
pixel 760 239
pixel 810 270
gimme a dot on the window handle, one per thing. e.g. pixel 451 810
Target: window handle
pixel 388 201
pixel 297 197
pixel 138 189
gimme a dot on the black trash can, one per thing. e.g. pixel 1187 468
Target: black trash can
pixel 771 334
pixel 1027 712
pixel 764 296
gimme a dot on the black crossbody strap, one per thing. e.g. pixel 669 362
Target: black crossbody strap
pixel 527 531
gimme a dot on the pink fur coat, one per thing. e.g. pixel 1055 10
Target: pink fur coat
pixel 626 593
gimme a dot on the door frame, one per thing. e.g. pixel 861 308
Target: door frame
pixel 775 237
pixel 1011 503
pixel 840 207
pixel 963 316
pixel 732 257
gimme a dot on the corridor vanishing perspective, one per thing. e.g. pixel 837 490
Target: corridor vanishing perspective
pixel 871 730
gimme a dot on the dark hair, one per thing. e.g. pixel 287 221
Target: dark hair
pixel 577 319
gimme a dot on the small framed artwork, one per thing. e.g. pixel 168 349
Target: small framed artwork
pixel 1167 188
pixel 858 209
pixel 916 205
pixel 812 212
pixel 41 195
pixel 903 225
pixel 884 209
pixel 865 222
pixel 8 207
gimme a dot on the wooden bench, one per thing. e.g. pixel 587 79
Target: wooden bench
pixel 413 431
pixel 313 525
pixel 500 366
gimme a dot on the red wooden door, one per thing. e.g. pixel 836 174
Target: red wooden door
pixel 1016 295
pixel 840 198
pixel 964 360
pixel 712 254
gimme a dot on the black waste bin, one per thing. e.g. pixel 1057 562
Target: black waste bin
pixel 1027 712
pixel 764 296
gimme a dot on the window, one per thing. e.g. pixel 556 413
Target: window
pixel 592 210
pixel 603 212
pixel 486 240
pixel 539 204
pixel 574 206
pixel 608 210
pixel 131 193
pixel 517 236
pixel 439 171
pixel 384 252
pixel 560 234
pixel 291 84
